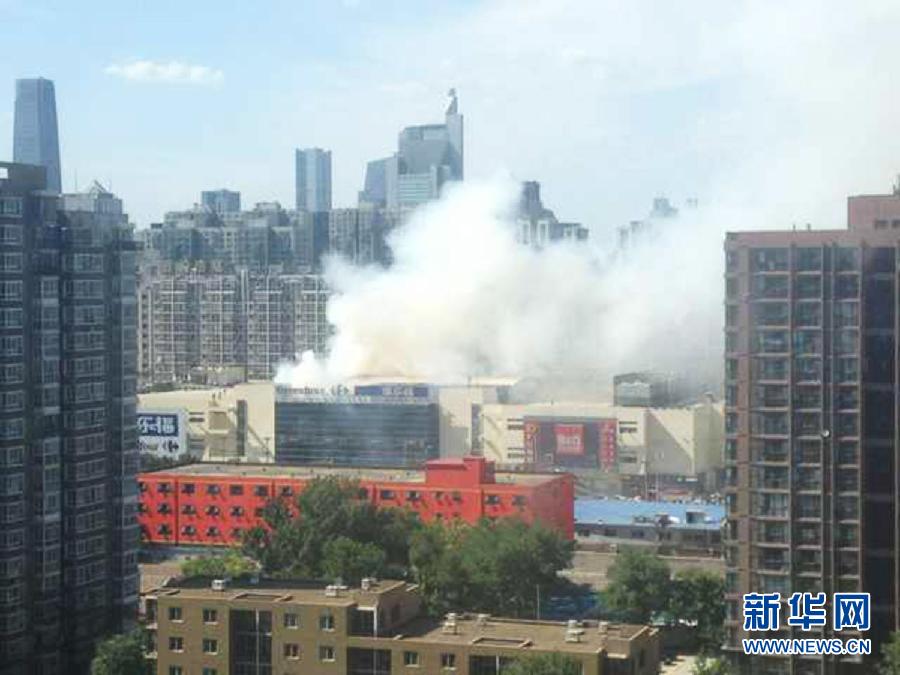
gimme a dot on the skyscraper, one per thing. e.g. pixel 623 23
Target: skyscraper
pixel 811 425
pixel 428 157
pixel 313 180
pixel 35 134
pixel 221 201
pixel 68 455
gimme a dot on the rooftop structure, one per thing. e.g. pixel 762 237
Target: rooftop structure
pixel 376 629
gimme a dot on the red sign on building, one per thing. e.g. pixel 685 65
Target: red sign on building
pixel 608 444
pixel 569 439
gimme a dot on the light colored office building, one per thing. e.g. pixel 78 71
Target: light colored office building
pixel 313 180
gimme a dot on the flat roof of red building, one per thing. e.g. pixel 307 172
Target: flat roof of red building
pixel 309 471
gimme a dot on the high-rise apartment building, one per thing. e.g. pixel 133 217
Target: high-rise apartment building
pixel 221 201
pixel 312 176
pixel 68 455
pixel 428 157
pixel 35 133
pixel 811 421
pixel 222 327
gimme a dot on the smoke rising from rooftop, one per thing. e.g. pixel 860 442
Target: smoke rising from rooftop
pixel 464 298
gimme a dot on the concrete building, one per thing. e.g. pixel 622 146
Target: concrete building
pixel 667 443
pixel 224 424
pixel 641 231
pixel 221 201
pixel 811 431
pixel 428 157
pixel 220 328
pixel 68 457
pixel 213 504
pixel 35 132
pixel 537 226
pixel 312 177
pixel 285 626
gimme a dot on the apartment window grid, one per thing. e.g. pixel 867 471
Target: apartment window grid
pixel 800 312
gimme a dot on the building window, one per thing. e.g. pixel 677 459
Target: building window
pixel 210 671
pixel 287 491
pixel 210 616
pixel 212 531
pixel 175 670
pixel 326 653
pixel 237 511
pixel 212 489
pixel 410 658
pixel 292 651
pixel 188 509
pixel 175 614
pixel 163 488
pixel 261 491
pixel 235 490
pixel 493 500
pixel 448 661
pixel 386 494
pixel 326 622
pixel 176 644
pixel 210 646
pixel 212 510
pixel 291 620
pixel 412 496
pixel 163 508
pixel 187 488
pixel 189 530
pixel 519 500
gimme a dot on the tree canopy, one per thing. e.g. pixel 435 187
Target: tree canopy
pixel 231 564
pixel 639 585
pixel 332 532
pixel 711 666
pixel 890 656
pixel 543 664
pixel 698 597
pixel 121 655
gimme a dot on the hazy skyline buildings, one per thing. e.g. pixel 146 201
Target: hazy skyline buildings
pixel 35 130
pixel 312 179
pixel 428 156
pixel 221 201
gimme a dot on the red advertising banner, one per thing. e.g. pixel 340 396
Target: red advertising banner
pixel 569 439
pixel 608 444
pixel 531 430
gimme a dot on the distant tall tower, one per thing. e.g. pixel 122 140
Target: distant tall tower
pixel 313 180
pixel 35 134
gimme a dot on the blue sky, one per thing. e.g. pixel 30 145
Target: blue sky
pixel 606 103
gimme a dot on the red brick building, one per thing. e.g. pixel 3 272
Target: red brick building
pixel 212 504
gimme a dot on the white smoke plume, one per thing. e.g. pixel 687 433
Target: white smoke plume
pixel 464 298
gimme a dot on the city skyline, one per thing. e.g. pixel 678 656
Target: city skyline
pixel 728 109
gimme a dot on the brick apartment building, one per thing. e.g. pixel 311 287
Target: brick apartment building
pixel 213 504
pixel 811 420
pixel 257 627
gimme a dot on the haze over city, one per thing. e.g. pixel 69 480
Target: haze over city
pixel 607 104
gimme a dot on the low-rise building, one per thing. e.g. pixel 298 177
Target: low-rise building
pixel 631 442
pixel 226 424
pixel 284 626
pixel 213 504
pixel 676 527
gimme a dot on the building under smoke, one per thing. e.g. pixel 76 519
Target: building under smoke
pixel 370 425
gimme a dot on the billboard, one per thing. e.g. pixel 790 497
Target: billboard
pixel 569 439
pixel 607 446
pixel 162 433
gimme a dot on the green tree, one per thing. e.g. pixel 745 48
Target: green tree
pixel 121 655
pixel 553 663
pixel 294 540
pixel 639 585
pixel 231 564
pixel 350 561
pixel 698 597
pixel 890 656
pixel 494 567
pixel 706 665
